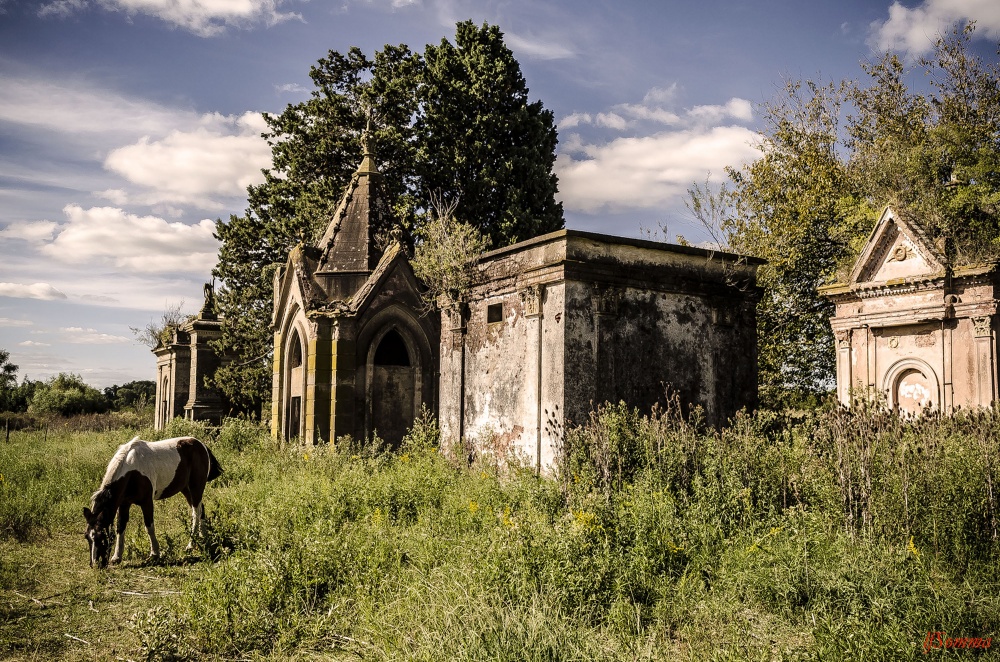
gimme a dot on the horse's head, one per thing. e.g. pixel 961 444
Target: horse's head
pixel 98 533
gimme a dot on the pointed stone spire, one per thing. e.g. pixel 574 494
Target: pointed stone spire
pixel 348 245
pixel 368 158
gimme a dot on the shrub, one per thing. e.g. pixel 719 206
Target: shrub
pixel 65 395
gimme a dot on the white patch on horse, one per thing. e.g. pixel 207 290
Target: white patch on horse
pixel 156 460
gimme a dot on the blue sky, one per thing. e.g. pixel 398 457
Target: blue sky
pixel 128 126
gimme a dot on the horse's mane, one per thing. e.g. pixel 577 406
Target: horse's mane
pixel 115 464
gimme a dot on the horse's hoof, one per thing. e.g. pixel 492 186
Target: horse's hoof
pixel 115 560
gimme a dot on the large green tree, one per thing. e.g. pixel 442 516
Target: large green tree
pixel 454 122
pixel 832 157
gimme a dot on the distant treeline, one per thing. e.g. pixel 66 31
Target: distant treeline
pixel 67 394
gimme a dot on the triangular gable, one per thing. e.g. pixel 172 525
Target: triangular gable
pixel 393 262
pixel 896 249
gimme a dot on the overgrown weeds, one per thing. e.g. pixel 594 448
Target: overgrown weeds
pixel 836 535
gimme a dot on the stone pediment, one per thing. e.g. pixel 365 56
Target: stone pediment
pixel 897 250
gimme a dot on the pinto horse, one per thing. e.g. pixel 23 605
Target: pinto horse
pixel 139 472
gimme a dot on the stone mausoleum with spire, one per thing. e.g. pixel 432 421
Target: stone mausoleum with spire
pixel 550 328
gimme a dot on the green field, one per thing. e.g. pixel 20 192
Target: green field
pixel 827 536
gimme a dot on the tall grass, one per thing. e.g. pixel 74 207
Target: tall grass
pixel 838 535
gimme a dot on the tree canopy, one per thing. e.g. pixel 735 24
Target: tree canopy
pixel 832 157
pixel 455 121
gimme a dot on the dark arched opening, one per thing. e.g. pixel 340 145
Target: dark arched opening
pixel 392 350
pixel 393 387
pixel 294 386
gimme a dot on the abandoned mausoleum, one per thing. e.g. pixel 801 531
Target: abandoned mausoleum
pixel 914 328
pixel 551 327
pixel 184 361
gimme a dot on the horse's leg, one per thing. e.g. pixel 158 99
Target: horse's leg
pixel 120 532
pixel 196 516
pixel 147 517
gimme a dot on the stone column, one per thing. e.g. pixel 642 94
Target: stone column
pixel 844 376
pixel 985 371
pixel 531 298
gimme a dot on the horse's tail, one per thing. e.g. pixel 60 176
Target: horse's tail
pixel 214 468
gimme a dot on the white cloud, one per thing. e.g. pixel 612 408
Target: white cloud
pixel 80 336
pixel 29 230
pixel 202 17
pixel 657 107
pixel 115 196
pixel 74 107
pixel 575 119
pixel 62 8
pixel 611 121
pixel 914 30
pixel 139 244
pixel 735 108
pixel 220 158
pixel 650 113
pixel 32 343
pixel 648 172
pixel 293 88
pixel 541 48
pixel 8 322
pixel 42 291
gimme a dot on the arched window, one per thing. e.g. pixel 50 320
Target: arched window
pixel 392 350
pixel 295 353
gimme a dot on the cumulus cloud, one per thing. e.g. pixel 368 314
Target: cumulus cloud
pixel 80 336
pixel 914 30
pixel 669 148
pixel 648 172
pixel 657 107
pixel 42 291
pixel 32 343
pixel 140 244
pixel 220 158
pixel 202 17
pixel 29 231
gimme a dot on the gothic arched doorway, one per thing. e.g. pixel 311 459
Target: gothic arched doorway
pixel 295 385
pixel 394 389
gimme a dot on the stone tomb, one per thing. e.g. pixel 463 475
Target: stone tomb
pixel 910 326
pixel 563 322
pixel 184 360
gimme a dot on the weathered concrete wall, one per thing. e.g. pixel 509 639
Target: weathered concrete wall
pixel 588 319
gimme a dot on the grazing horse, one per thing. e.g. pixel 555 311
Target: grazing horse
pixel 139 472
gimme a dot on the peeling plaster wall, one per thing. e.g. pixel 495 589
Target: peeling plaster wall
pixel 617 320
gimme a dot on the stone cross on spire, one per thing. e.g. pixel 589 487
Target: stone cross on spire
pixel 368 160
